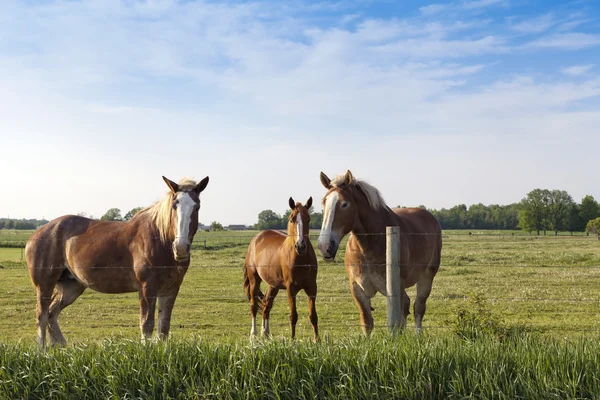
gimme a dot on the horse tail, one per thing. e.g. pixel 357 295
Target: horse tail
pixel 260 294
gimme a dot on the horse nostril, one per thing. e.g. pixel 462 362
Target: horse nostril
pixel 188 248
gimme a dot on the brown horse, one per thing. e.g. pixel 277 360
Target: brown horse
pixel 283 262
pixel 149 254
pixel 351 205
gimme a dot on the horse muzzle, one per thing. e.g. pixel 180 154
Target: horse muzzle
pixel 300 248
pixel 330 251
pixel 181 253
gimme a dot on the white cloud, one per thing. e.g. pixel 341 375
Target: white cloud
pixel 566 41
pixel 535 25
pixel 478 4
pixel 577 70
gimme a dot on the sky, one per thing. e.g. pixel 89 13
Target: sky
pixel 434 103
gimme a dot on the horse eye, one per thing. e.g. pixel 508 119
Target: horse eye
pixel 345 204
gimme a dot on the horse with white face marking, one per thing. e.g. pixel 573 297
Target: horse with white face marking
pixel 283 262
pixel 148 254
pixel 354 206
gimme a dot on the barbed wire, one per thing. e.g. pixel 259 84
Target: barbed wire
pixel 326 298
pixel 320 264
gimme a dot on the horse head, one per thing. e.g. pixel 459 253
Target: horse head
pixel 340 213
pixel 298 224
pixel 185 205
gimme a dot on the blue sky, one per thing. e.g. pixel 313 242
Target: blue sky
pixel 435 103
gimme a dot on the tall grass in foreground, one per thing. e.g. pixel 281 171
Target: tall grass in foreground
pixel 407 366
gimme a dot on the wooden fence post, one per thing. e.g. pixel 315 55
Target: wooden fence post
pixel 392 261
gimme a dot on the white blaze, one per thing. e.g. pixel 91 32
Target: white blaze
pixel 299 228
pixel 185 207
pixel 328 217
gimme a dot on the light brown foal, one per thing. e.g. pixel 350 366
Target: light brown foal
pixel 283 262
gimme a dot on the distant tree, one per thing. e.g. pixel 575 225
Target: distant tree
pixel 215 226
pixel 131 213
pixel 560 204
pixel 593 226
pixel 533 213
pixel 316 220
pixel 113 214
pixel 284 219
pixel 268 219
pixel 575 222
pixel 588 209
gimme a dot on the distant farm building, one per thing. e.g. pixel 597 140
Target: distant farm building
pixel 236 227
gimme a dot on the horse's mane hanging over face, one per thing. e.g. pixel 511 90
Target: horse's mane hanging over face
pixel 161 213
pixel 371 192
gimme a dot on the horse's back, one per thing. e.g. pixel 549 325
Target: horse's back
pixel 421 236
pixel 263 255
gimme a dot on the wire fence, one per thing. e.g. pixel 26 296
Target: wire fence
pixel 224 251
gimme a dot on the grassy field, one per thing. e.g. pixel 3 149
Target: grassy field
pixel 530 331
pixel 550 285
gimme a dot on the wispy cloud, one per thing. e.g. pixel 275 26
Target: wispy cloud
pixel 478 4
pixel 535 25
pixel 566 41
pixel 577 70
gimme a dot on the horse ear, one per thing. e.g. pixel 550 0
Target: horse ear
pixel 308 203
pixel 201 185
pixel 172 185
pixel 348 178
pixel 292 204
pixel 325 181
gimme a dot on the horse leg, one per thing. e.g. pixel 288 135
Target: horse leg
pixel 44 297
pixel 67 291
pixel 254 301
pixel 364 307
pixel 311 292
pixel 423 291
pixel 405 309
pixel 147 309
pixel 267 305
pixel 165 308
pixel 291 293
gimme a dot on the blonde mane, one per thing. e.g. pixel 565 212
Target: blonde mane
pixel 161 213
pixel 371 192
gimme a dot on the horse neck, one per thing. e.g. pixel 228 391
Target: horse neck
pixel 370 228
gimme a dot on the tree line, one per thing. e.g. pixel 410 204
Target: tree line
pixel 21 224
pixel 541 210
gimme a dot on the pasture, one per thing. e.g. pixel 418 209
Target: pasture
pixel 549 284
pixel 546 288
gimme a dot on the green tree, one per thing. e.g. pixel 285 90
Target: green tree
pixel 131 213
pixel 285 218
pixel 560 204
pixel 215 226
pixel 593 226
pixel 316 220
pixel 268 219
pixel 533 213
pixel 588 209
pixel 114 214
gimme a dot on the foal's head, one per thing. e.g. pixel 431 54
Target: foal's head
pixel 340 213
pixel 185 204
pixel 298 224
